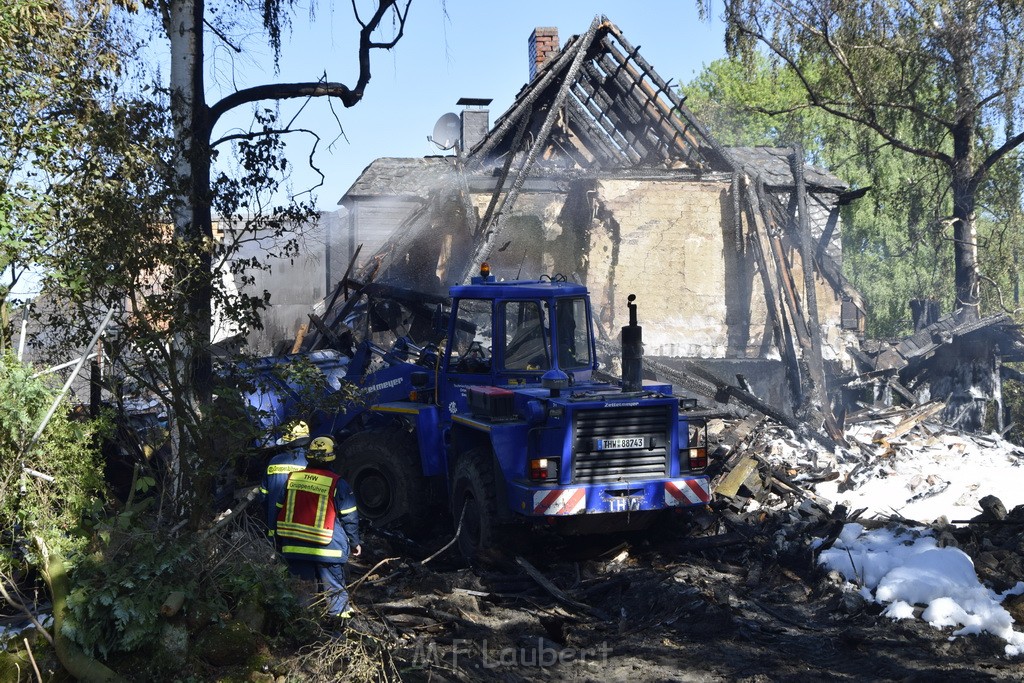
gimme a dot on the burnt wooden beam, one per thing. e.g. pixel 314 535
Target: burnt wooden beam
pixel 826 234
pixel 670 127
pixel 533 91
pixel 635 114
pixel 782 266
pixel 825 264
pixel 608 115
pixel 586 97
pixel 338 289
pixel 758 239
pixel 486 241
pixel 907 395
pixel 789 289
pixel 814 360
pixel 729 391
pixel 517 139
pixel 677 103
pixel 333 340
pixel 597 135
pixel 734 189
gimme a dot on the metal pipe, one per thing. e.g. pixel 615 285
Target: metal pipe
pixel 24 329
pixel 55 368
pixel 71 378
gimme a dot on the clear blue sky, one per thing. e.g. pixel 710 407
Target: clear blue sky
pixel 451 49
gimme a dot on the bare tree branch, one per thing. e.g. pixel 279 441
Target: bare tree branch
pixel 349 96
pixel 255 134
pixel 817 100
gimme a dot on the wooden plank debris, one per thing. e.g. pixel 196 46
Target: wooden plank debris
pixel 912 421
pixel 730 484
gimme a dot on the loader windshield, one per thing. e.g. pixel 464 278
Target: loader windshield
pixel 572 333
pixel 526 336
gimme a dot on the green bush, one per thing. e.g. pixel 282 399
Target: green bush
pixel 118 588
pixel 66 451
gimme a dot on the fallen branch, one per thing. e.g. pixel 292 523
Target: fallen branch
pixel 406 568
pixel 229 515
pixel 449 544
pixel 557 593
pixel 72 658
pixel 362 579
pixel 31 658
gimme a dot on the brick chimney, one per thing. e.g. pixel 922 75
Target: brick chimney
pixel 543 44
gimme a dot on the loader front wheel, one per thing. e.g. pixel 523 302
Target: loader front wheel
pixel 383 469
pixel 473 503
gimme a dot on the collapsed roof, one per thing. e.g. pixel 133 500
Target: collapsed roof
pixel 604 106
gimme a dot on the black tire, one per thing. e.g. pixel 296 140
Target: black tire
pixel 383 469
pixel 473 502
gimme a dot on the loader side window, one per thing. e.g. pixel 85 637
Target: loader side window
pixel 526 338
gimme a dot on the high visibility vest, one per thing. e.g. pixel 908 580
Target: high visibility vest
pixel 308 512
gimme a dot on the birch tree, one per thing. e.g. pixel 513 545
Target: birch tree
pixel 187 23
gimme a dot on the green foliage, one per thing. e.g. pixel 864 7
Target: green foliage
pixel 57 60
pixel 941 82
pixel 895 243
pixel 29 505
pixel 114 605
pixel 119 587
pixel 314 391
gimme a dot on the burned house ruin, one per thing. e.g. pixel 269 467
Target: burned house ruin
pixel 599 172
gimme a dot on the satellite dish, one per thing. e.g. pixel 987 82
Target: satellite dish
pixel 446 131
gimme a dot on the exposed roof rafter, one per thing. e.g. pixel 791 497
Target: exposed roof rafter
pixel 622 112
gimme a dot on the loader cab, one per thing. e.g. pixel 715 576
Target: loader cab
pixel 512 333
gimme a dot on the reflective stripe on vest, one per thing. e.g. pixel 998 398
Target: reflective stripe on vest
pixel 308 512
pixel 306 550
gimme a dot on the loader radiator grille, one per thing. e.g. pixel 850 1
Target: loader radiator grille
pixel 596 461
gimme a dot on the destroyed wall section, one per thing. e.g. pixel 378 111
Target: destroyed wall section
pixel 671 252
pixel 672 242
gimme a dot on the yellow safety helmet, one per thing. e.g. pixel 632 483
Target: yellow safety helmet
pixel 321 449
pixel 298 430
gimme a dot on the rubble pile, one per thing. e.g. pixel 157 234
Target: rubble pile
pixel 900 468
pixel 896 464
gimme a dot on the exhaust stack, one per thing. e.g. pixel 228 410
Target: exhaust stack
pixel 632 351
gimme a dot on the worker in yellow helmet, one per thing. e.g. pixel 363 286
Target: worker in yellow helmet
pixel 318 526
pixel 296 436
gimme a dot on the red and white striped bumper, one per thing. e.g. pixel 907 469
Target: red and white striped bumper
pixel 618 497
pixel 571 501
pixel 680 492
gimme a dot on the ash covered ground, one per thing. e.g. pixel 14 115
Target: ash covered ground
pixel 738 591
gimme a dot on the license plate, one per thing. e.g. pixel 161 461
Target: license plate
pixel 620 443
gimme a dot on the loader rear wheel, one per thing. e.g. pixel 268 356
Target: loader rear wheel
pixel 473 503
pixel 383 469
